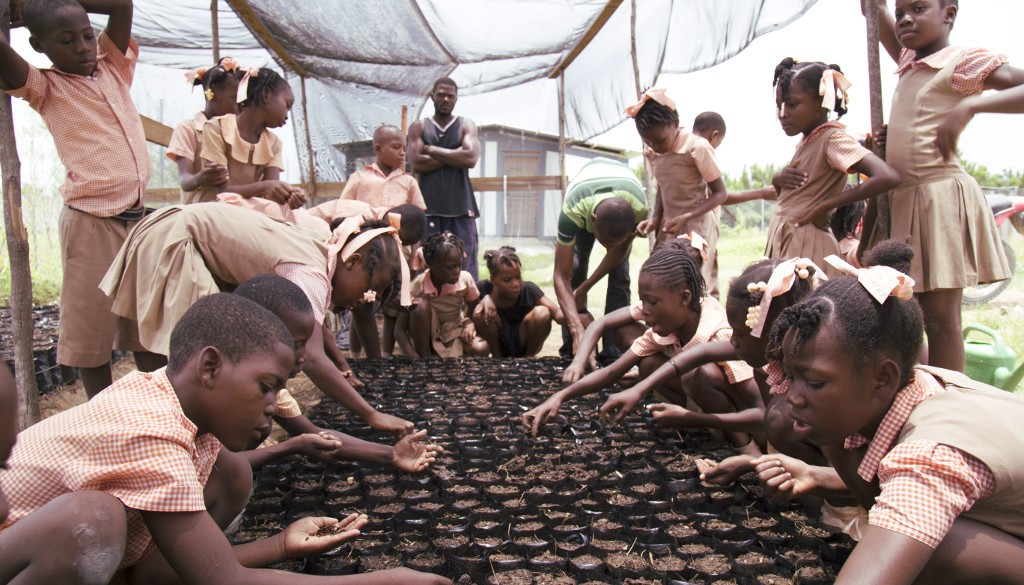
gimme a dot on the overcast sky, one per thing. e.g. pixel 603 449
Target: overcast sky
pixel 832 31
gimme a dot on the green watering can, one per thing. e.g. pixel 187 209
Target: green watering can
pixel 991 361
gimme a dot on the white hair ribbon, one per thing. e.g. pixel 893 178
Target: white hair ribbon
pixel 881 282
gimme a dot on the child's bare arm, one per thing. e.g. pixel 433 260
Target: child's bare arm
pixel 886 27
pixel 657 214
pixel 885 556
pixel 556 311
pixel 119 26
pixel 622 403
pixel 13 69
pixel 715 198
pixel 1008 101
pixel 880 178
pixel 766 193
pixel 402 334
pixel 609 322
pixel 329 379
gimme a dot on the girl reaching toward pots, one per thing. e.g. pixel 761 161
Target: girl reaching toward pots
pixel 941 447
pixel 680 317
pixel 178 255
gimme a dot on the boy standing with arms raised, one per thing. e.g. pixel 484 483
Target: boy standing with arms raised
pixel 84 100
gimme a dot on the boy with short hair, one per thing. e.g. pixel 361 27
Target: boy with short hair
pixel 152 441
pixel 385 184
pixel 84 100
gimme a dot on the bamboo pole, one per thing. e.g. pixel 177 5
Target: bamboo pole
pixel 309 142
pixel 881 224
pixel 17 251
pixel 215 27
pixel 561 131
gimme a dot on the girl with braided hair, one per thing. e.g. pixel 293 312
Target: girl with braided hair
pixel 679 316
pixel 811 186
pixel 445 295
pixel 179 254
pixel 932 454
pixel 513 316
pixel 244 144
pixel 220 86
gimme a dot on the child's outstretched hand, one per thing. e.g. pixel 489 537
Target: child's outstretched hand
pixel 951 127
pixel 668 415
pixel 412 455
pixel 315 535
pixel 619 405
pixel 784 477
pixel 389 423
pixel 725 472
pixel 322 445
pixel 536 418
pixel 789 177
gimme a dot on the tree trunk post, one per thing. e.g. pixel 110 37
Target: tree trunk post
pixel 18 252
pixel 877 120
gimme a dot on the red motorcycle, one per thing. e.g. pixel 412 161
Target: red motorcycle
pixel 1008 211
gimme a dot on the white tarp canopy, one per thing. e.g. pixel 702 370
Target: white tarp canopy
pixel 363 60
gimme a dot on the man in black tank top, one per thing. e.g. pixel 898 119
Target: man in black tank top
pixel 442 149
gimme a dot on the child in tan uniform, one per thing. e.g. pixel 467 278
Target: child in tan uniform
pixel 813 183
pixel 690 185
pixel 244 144
pixel 84 100
pixel 220 86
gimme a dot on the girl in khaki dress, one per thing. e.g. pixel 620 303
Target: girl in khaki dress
pixel 244 144
pixel 811 186
pixel 180 254
pixel 939 206
pixel 220 86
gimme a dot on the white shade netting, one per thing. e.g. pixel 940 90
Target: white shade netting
pixel 364 60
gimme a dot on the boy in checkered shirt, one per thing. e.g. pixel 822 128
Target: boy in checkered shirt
pixel 84 100
pixel 135 483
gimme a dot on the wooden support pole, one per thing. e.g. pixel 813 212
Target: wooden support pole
pixel 648 184
pixel 215 28
pixel 881 223
pixel 17 251
pixel 405 119
pixel 309 142
pixel 561 131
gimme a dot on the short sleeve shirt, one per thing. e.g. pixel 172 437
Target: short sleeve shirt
pixel 187 143
pixel 373 187
pixel 246 162
pixel 132 441
pixel 842 151
pixel 96 129
pixel 529 295
pixel 970 72
pixel 713 326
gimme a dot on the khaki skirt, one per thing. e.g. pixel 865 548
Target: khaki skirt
pixel 951 229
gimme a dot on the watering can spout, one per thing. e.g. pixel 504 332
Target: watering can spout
pixel 1010 380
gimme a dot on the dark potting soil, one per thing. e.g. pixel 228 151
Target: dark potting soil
pixel 711 564
pixel 628 493
pixel 516 577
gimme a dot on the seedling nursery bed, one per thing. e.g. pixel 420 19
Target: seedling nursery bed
pixel 581 503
